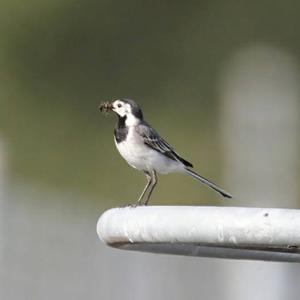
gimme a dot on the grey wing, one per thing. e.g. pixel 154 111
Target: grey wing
pixel 153 140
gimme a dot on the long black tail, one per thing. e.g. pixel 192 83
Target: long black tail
pixel 208 183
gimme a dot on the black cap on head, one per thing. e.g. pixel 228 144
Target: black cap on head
pixel 135 109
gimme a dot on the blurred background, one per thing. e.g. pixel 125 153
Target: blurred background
pixel 219 80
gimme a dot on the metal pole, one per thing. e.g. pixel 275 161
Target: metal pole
pixel 224 232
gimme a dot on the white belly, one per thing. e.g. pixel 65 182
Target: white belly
pixel 141 157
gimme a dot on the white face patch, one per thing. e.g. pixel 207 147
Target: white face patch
pixel 124 109
pixel 121 108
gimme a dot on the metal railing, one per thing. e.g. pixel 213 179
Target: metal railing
pixel 269 234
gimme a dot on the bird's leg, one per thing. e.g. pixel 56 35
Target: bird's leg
pixel 154 182
pixel 149 181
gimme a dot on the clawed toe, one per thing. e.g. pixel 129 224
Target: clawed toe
pixel 136 204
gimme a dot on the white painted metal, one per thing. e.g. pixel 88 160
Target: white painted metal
pixel 227 232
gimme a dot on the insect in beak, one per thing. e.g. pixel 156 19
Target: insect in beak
pixel 105 107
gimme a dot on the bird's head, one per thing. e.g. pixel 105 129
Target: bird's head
pixel 124 108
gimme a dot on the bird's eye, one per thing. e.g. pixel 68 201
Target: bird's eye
pixel 119 105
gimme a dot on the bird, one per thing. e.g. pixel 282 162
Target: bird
pixel 145 150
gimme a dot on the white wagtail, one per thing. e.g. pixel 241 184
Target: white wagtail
pixel 143 148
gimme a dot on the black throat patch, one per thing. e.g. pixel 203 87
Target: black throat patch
pixel 121 130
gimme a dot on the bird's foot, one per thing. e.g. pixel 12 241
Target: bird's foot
pixel 136 204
